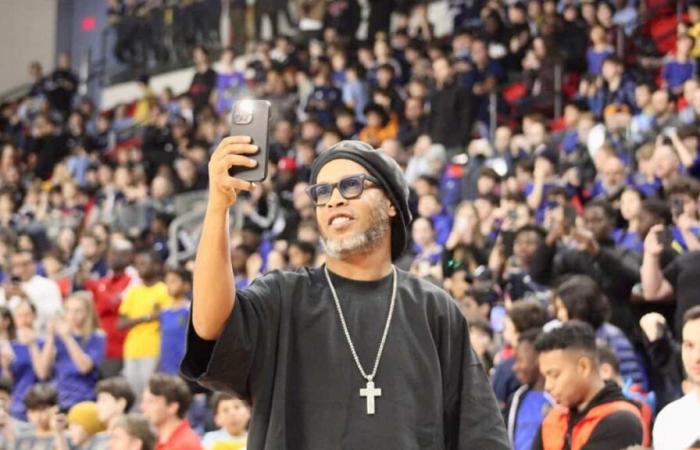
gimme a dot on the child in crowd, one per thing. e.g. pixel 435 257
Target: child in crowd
pixel 530 403
pixel 114 398
pixel 41 403
pixel 132 432
pixel 231 415
pixel 598 51
pixel 174 320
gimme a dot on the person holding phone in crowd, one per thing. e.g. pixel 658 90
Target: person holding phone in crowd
pixel 377 357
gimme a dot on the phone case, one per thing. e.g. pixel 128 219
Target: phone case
pixel 252 118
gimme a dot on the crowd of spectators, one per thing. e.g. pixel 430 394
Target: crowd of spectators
pixel 529 221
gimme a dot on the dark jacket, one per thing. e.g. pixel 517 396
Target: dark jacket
pixel 451 115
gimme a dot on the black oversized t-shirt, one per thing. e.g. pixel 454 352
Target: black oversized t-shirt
pixel 283 348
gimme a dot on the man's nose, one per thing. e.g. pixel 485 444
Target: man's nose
pixel 336 199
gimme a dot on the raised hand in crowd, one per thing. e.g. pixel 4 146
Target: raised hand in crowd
pixel 653 325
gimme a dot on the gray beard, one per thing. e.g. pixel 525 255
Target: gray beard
pixel 362 242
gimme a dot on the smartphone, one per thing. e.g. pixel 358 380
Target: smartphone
pixel 677 206
pixel 252 118
pixel 508 241
pixel 665 237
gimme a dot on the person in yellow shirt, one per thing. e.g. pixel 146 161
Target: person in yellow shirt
pixel 694 27
pixel 139 313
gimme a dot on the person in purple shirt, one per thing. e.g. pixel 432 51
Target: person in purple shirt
pixel 19 360
pixel 598 51
pixel 230 83
pixel 681 68
pixel 174 320
pixel 630 207
pixel 530 403
pixel 74 349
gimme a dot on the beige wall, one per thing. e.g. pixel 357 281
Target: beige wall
pixel 27 33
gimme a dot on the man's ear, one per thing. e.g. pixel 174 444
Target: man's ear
pixel 585 365
pixel 606 371
pixel 173 408
pixel 392 210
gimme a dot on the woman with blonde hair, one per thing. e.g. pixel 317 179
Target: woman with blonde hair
pixel 74 349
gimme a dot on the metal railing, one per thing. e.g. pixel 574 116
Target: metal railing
pixel 185 230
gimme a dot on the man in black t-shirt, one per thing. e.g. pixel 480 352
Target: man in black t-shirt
pixel 63 84
pixel 355 354
pixel 204 79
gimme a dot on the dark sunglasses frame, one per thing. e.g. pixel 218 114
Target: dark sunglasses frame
pixel 361 176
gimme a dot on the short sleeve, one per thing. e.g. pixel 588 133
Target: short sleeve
pixel 246 345
pixel 164 299
pixel 125 306
pixel 95 348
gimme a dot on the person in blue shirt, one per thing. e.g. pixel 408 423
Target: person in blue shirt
pixel 174 320
pixel 544 180
pixel 324 97
pixel 530 403
pixel 21 359
pixel 617 88
pixel 74 349
pixel 429 206
pixel 680 68
pixel 598 51
pixel 630 207
pixel 230 83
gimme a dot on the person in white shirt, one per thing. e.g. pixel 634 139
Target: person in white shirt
pixel 23 282
pixel 672 429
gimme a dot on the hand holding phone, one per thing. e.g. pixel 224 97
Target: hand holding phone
pixel 232 151
pixel 664 237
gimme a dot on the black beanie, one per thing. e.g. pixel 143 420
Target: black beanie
pixel 390 176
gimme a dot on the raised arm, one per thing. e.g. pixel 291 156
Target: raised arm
pixel 654 285
pixel 213 281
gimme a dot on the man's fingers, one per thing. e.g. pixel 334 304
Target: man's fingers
pixel 232 160
pixel 236 140
pixel 234 149
pixel 656 228
pixel 239 185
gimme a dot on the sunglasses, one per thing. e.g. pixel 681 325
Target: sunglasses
pixel 349 187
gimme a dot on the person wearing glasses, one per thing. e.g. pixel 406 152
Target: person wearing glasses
pixel 353 354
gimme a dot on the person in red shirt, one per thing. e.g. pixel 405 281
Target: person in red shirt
pixel 165 404
pixel 107 293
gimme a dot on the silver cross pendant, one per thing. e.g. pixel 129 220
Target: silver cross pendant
pixel 370 392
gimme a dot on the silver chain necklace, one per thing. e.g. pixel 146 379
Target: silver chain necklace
pixel 369 391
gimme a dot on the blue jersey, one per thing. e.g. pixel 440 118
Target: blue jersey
pixel 74 387
pixel 173 332
pixel 23 376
